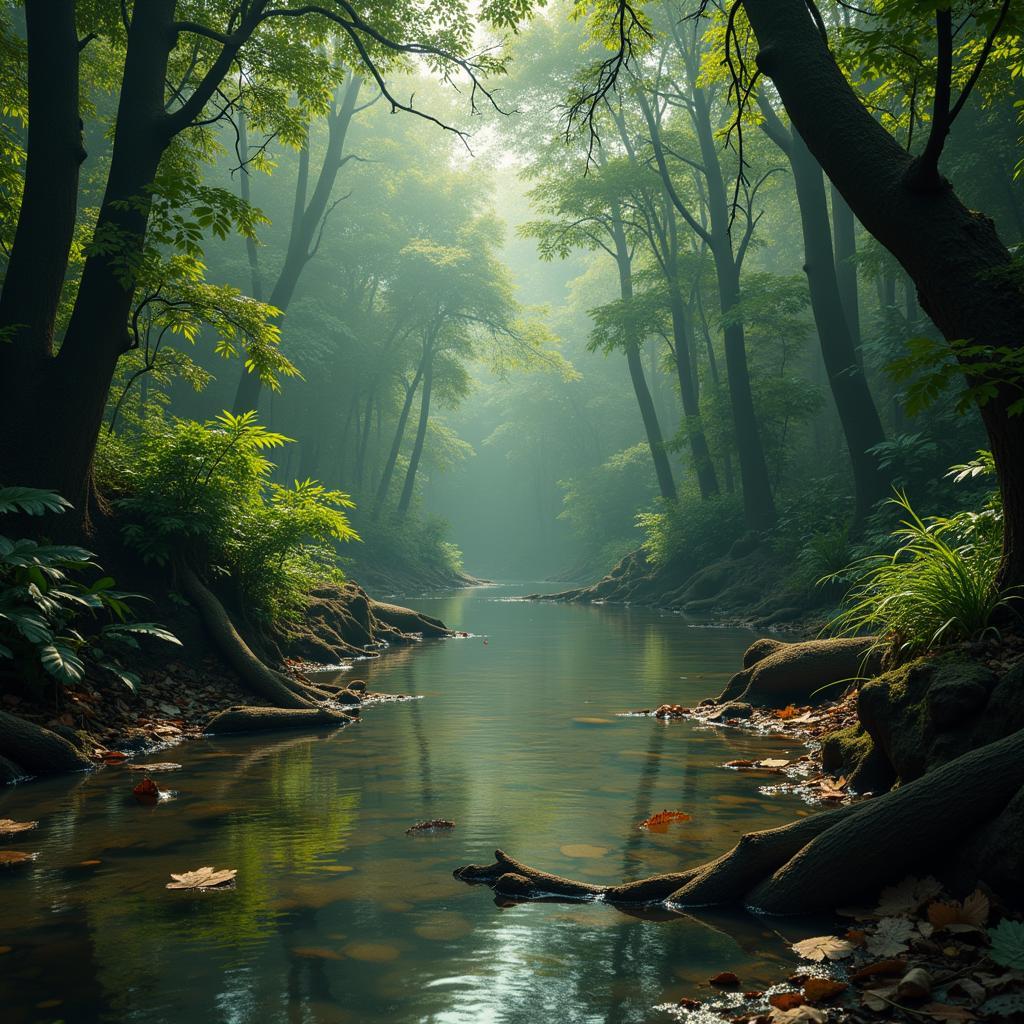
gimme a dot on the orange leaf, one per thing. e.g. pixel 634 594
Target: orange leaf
pixel 786 1000
pixel 724 980
pixel 818 990
pixel 660 822
pixel 113 757
pixel 881 969
pixel 147 792
pixel 787 712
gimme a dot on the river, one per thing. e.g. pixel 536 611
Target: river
pixel 338 915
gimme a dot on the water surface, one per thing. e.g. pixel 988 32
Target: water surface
pixel 338 916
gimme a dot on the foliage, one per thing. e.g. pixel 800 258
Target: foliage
pixel 202 491
pixel 692 529
pixel 50 619
pixel 938 587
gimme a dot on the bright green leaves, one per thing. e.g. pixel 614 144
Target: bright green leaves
pixel 31 500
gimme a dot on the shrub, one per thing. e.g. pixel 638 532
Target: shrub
pixel 691 527
pixel 938 587
pixel 202 491
pixel 49 616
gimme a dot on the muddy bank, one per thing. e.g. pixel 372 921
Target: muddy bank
pixel 97 720
pixel 751 585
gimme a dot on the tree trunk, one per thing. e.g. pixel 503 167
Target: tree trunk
pixel 682 333
pixel 252 253
pixel 844 232
pixel 307 219
pixel 963 272
pixel 421 434
pixel 652 429
pixel 396 444
pixel 858 414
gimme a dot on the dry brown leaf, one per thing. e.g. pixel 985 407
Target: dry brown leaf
pixel 857 936
pixel 908 897
pixel 790 711
pixel 160 766
pixel 786 1000
pixel 915 984
pixel 798 1015
pixel 660 822
pixel 821 990
pixel 773 762
pixel 823 947
pixel 203 878
pixel 13 858
pixel 881 969
pixel 880 998
pixel 9 827
pixel 726 979
pixel 739 763
pixel 970 915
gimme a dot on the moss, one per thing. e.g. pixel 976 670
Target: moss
pixel 843 751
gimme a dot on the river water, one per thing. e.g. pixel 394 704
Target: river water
pixel 338 915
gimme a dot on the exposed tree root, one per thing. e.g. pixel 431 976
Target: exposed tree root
pixel 818 862
pixel 246 719
pixel 39 751
pixel 406 621
pixel 277 688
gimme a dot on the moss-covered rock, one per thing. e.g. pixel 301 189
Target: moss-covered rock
pixel 843 750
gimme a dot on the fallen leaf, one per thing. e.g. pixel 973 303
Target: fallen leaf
pixel 739 763
pixel 773 762
pixel 689 1004
pixel 789 711
pixel 147 792
pixel 890 936
pixel 970 915
pixel 114 757
pixel 161 766
pixel 436 825
pixel 857 936
pixel 660 822
pixel 878 999
pixel 724 980
pixel 971 990
pixel 821 990
pixel 915 984
pixel 786 1000
pixel 9 827
pixel 945 1011
pixel 1007 944
pixel 203 878
pixel 881 969
pixel 908 897
pixel 823 947
pixel 798 1015
pixel 12 858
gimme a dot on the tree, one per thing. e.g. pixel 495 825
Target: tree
pixel 255 41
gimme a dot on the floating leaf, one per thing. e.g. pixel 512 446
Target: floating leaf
pixel 820 990
pixel 147 792
pixel 437 825
pixel 160 766
pixel 660 822
pixel 113 757
pixel 9 827
pixel 908 897
pixel 823 947
pixel 786 1000
pixel 726 979
pixel 890 936
pixel 13 858
pixel 1007 944
pixel 881 969
pixel 773 762
pixel 203 878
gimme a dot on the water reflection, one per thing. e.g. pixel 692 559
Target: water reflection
pixel 340 916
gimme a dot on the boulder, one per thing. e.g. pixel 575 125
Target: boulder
pixel 791 673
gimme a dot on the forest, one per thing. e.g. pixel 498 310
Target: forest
pixel 587 428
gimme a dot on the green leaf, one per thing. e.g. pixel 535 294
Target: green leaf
pixel 61 662
pixel 31 500
pixel 1008 944
pixel 129 679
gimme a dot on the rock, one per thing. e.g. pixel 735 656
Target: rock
pixel 10 772
pixel 760 649
pixel 171 710
pixel 793 672
pixel 957 693
pixel 734 709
